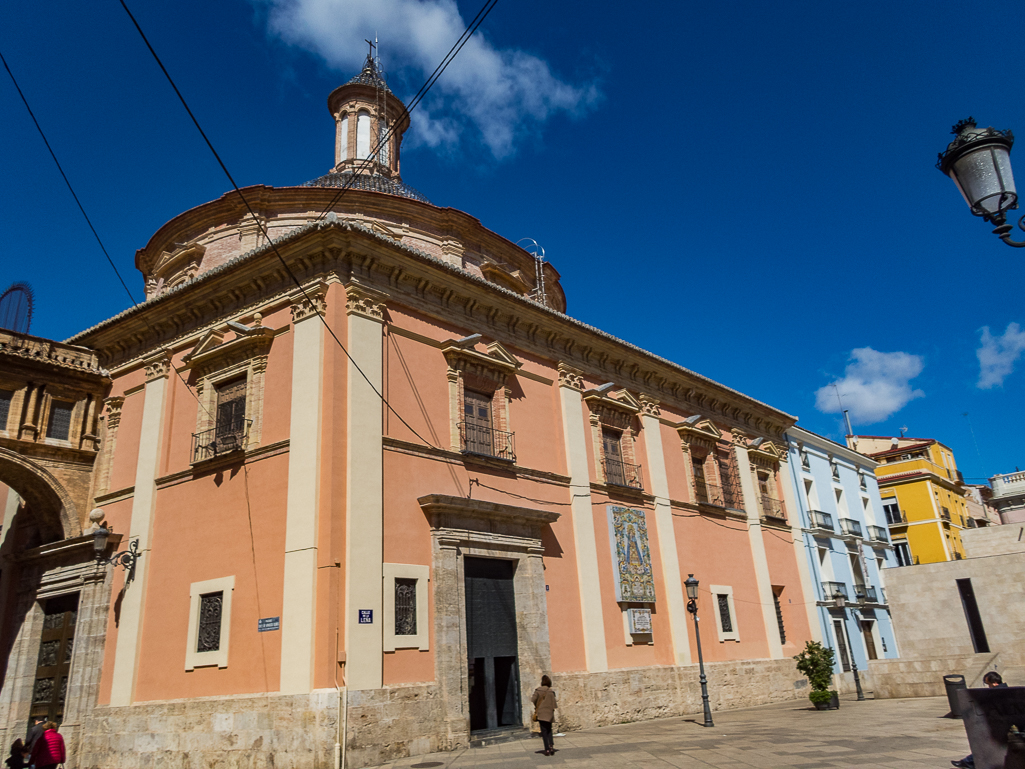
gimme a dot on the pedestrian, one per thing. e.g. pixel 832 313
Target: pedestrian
pixel 35 732
pixel 993 680
pixel 49 748
pixel 17 758
pixel 544 712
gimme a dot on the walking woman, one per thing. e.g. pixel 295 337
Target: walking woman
pixel 544 711
pixel 49 748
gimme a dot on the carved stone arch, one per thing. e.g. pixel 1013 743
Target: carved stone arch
pixel 50 503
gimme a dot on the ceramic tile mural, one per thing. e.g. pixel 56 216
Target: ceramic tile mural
pixel 631 560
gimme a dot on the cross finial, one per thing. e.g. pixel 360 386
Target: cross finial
pixel 372 47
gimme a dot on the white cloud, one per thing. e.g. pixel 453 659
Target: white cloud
pixel 503 92
pixel 874 385
pixel 998 354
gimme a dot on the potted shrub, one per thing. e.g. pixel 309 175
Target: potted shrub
pixel 816 662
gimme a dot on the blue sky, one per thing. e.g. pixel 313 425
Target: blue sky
pixel 745 189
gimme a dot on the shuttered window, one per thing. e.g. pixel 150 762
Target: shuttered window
pixel 231 406
pixel 6 396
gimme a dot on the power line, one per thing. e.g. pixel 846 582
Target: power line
pixel 66 181
pixel 415 101
pixel 262 227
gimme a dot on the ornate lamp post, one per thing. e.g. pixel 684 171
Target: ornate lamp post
pixel 692 606
pixel 840 601
pixel 979 163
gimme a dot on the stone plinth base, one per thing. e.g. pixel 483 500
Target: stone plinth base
pixel 299 731
pixel 588 700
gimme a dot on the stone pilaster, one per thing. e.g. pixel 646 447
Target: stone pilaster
pixel 758 558
pixel 364 508
pixel 665 531
pixel 575 436
pixel 298 614
pixel 158 368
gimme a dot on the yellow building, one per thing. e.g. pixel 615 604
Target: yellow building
pixel 923 496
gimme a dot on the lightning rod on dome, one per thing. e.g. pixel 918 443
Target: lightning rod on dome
pixel 533 248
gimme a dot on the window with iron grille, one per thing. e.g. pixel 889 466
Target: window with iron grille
pixel 733 496
pixel 210 605
pixel 60 420
pixel 725 620
pixel 6 396
pixel 405 606
pixel 779 615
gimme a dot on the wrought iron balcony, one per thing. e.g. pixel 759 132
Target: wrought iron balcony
pixel 895 517
pixel 832 588
pixel 772 509
pixel 944 514
pixel 821 520
pixel 484 441
pixel 619 473
pixel 866 593
pixel 225 438
pixel 878 533
pixel 850 527
pixel 708 494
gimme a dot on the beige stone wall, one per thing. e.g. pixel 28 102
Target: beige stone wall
pixel 993 540
pixel 925 605
pixel 924 677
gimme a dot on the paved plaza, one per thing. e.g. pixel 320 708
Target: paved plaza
pixel 873 734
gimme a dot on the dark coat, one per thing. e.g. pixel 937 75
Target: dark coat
pixel 544 703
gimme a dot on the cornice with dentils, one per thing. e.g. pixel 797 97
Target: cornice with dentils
pixel 779 420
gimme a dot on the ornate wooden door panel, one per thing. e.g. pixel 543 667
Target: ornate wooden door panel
pixel 54 664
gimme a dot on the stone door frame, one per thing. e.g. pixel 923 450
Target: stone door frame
pixel 466 527
pixel 49 571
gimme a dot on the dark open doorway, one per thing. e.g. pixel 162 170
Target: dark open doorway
pixel 494 690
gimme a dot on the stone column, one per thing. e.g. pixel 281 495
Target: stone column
pixel 665 531
pixel 570 386
pixel 801 552
pixel 298 611
pixel 364 507
pixel 754 533
pixel 450 663
pixel 158 368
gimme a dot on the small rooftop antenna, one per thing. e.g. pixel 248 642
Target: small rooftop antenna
pixel 539 294
pixel 903 431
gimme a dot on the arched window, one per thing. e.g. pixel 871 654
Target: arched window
pixel 343 139
pixel 362 135
pixel 382 143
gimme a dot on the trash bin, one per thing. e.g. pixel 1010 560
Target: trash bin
pixel 952 685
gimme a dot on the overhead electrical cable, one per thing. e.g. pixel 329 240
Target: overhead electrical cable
pixel 415 101
pixel 262 227
pixel 65 177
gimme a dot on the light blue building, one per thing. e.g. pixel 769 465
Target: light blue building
pixel 848 547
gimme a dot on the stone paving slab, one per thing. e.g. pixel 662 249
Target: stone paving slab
pixel 875 734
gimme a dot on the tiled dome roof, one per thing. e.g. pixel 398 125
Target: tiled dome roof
pixel 369 182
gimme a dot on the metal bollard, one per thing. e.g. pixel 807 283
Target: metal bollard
pixel 952 685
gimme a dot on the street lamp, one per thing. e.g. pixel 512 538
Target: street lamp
pixel 979 163
pixel 840 601
pixel 126 558
pixel 692 606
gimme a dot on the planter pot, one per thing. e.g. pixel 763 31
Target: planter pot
pixel 821 705
pixel 834 702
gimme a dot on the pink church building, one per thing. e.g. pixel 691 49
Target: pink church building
pixel 378 482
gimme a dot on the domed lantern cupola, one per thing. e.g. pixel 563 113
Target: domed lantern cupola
pixel 365 110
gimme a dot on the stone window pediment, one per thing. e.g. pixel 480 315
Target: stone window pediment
pixel 765 452
pixel 614 435
pixel 216 363
pixel 700 431
pixel 479 386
